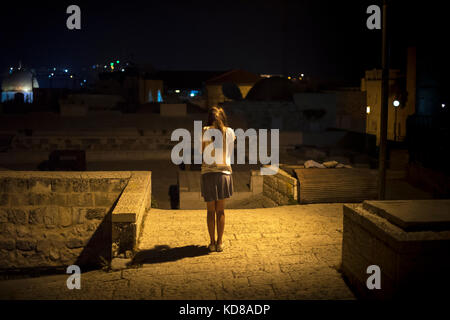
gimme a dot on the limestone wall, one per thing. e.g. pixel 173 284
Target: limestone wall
pixel 52 219
pixel 129 212
pixel 281 188
pixel 158 140
pixel 413 264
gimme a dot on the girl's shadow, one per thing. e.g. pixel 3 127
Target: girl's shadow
pixel 164 253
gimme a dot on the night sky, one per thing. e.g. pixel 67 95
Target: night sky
pixel 323 39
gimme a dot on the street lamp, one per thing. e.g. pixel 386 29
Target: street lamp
pixel 396 103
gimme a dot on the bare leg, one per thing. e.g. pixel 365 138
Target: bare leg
pixel 220 213
pixel 210 207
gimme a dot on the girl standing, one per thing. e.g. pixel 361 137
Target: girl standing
pixel 216 179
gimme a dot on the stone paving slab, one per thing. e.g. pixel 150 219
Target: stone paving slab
pixel 290 252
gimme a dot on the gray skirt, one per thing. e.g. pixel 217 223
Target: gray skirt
pixel 216 186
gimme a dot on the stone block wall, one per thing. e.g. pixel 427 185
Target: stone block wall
pixel 412 264
pixel 128 214
pixel 281 188
pixel 157 140
pixel 53 219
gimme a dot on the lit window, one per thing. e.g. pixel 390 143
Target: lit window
pixel 368 109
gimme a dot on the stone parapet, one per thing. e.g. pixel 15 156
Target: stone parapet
pixel 412 263
pixel 281 188
pixel 55 219
pixel 128 214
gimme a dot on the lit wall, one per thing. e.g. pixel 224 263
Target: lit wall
pixel 150 90
pixel 9 96
pixel 396 115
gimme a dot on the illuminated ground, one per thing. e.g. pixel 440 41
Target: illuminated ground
pixel 290 252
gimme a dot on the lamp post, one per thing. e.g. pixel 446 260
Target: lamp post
pixel 384 105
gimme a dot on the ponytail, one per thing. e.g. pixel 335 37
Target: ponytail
pixel 217 118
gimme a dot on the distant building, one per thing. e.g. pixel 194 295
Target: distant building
pixel 133 87
pixel 19 85
pixel 401 102
pixel 185 86
pixel 82 103
pixel 227 84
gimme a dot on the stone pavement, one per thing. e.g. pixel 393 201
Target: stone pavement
pixel 290 252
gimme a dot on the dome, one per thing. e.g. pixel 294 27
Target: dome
pixel 21 81
pixel 273 89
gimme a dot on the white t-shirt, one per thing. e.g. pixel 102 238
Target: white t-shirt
pixel 229 143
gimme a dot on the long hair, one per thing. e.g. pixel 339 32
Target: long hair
pixel 217 118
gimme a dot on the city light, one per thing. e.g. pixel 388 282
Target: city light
pixel 177 91
pixel 65 70
pixel 396 103
pixel 289 78
pixel 368 109
pixel 123 70
pixel 71 76
pixel 443 105
pixel 117 61
pixel 302 75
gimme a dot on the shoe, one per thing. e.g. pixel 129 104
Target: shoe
pixel 219 247
pixel 212 247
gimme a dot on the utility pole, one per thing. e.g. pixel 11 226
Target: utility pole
pixel 384 105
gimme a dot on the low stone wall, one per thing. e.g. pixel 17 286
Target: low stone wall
pixel 155 141
pixel 412 263
pixel 190 194
pixel 55 219
pixel 281 188
pixel 128 214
